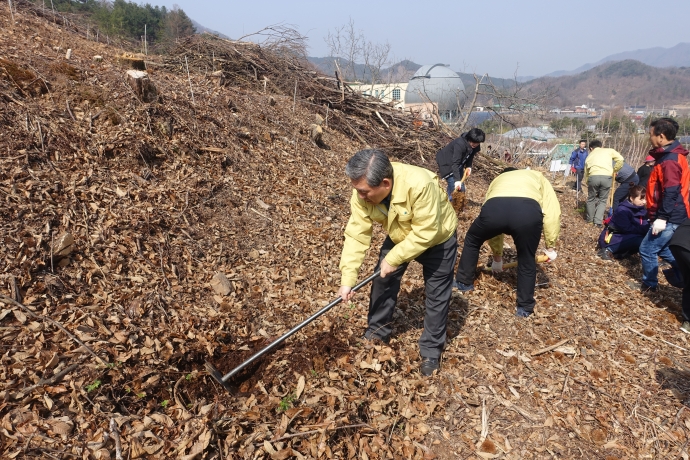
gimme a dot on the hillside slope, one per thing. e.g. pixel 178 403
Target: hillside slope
pixel 620 83
pixel 208 178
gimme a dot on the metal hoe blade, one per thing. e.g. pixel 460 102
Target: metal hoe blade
pixel 223 379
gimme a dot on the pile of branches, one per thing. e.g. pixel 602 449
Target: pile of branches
pixel 367 120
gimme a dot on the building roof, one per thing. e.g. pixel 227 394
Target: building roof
pixel 438 84
pixel 529 133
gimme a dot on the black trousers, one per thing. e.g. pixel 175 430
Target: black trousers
pixel 682 256
pixel 520 218
pixel 437 265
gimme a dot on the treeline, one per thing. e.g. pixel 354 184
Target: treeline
pixel 128 20
pixel 611 124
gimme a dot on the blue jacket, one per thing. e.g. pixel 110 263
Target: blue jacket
pixel 628 221
pixel 577 158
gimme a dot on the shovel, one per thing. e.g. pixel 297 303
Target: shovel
pixel 224 379
pixel 458 197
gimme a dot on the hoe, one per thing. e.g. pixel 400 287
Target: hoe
pixel 225 379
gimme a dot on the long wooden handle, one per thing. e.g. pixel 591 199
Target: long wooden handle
pixel 464 176
pixel 541 258
pixel 612 190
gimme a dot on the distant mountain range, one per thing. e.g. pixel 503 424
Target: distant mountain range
pixel 401 71
pixel 653 76
pixel 676 56
pixel 398 72
pixel 619 83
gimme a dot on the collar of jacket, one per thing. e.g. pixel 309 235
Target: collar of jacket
pixel 673 147
pixel 628 204
pixel 398 194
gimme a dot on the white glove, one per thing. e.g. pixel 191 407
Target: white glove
pixel 658 226
pixel 497 267
pixel 551 254
pixel 468 171
pixel 458 186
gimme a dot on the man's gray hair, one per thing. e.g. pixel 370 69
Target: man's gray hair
pixel 370 163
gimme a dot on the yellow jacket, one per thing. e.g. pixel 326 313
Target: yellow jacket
pixel 419 217
pixel 525 183
pixel 599 161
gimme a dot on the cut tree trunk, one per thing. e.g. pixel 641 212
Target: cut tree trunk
pixel 142 86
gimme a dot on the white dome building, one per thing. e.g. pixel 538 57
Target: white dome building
pixel 439 85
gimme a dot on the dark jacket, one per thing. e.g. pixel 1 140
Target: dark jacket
pixel 643 173
pixel 668 185
pixel 577 158
pixel 455 157
pixel 627 222
pixel 626 174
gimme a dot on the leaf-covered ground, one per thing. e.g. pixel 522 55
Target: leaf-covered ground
pixel 160 197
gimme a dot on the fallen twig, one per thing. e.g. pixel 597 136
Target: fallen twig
pixel 549 348
pixel 307 433
pixel 652 340
pixel 48 381
pixel 582 382
pixel 115 434
pixel 6 299
pixel 485 422
pixel 69 111
pixel 16 295
pixel 257 212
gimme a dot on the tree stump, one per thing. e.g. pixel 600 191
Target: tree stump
pixel 132 61
pixel 142 86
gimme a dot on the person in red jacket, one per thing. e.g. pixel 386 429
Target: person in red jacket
pixel 667 200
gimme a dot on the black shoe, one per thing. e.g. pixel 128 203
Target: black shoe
pixel 463 287
pixel 605 254
pixel 643 288
pixel 429 365
pixel 522 313
pixel 371 337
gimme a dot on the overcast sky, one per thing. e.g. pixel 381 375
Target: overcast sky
pixel 532 37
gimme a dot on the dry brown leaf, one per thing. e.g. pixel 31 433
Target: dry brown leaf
pixel 61 427
pixel 301 382
pixel 199 446
pixel 20 316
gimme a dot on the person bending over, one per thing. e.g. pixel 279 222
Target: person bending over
pixel 519 203
pixel 412 207
pixel 456 158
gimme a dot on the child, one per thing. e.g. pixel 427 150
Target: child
pixel 627 228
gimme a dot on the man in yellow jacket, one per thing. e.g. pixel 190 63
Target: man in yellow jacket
pixel 519 203
pixel 600 166
pixel 412 207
